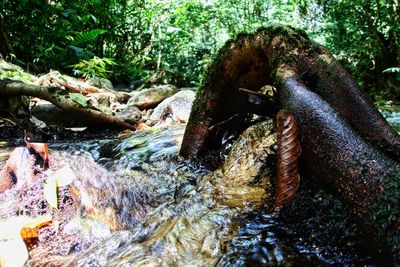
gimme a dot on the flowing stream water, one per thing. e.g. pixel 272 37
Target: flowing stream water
pixel 149 211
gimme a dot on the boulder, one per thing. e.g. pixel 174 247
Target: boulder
pixel 105 102
pixel 174 109
pixel 151 97
pixel 130 114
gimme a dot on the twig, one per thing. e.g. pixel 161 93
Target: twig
pixel 8 120
pixel 212 127
pixel 249 92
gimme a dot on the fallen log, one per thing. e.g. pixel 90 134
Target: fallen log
pixel 62 99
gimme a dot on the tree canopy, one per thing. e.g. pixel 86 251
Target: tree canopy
pixel 129 40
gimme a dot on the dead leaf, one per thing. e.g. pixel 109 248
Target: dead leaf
pixel 289 151
pixel 13 231
pixel 40 148
pixel 29 230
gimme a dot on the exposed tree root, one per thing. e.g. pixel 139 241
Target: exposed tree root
pixel 347 145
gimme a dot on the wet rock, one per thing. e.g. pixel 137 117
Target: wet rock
pixel 89 227
pixel 151 97
pixel 19 169
pixel 174 109
pixel 38 123
pixel 248 156
pixel 245 176
pixel 6 181
pixel 104 102
pixel 130 114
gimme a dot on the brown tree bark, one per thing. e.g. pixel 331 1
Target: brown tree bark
pixel 347 145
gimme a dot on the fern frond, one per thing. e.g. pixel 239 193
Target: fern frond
pixel 87 37
pixel 392 70
pixel 80 53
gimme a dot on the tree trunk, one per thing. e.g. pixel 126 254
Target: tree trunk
pixel 6 48
pixel 347 145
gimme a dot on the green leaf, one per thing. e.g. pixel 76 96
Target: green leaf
pixel 87 37
pixel 50 191
pixel 64 176
pixel 392 70
pixel 79 98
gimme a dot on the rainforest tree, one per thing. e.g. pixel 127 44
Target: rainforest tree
pixel 179 38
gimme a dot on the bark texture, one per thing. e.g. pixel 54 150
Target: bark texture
pixel 289 150
pixel 254 60
pixel 347 145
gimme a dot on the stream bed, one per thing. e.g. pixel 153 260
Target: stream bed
pixel 140 206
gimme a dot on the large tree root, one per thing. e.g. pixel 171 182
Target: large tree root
pixel 254 60
pixel 62 99
pixel 347 145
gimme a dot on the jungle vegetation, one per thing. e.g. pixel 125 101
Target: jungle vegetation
pixel 130 40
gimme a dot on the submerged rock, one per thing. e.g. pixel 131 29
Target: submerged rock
pixel 244 179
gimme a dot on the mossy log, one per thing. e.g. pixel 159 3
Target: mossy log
pixel 62 99
pixel 347 145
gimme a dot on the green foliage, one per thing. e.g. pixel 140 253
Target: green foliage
pixel 16 75
pixel 393 70
pixel 181 36
pixel 94 67
pixel 85 37
pixel 364 36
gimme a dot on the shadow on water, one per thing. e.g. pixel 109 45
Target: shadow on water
pixel 151 210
